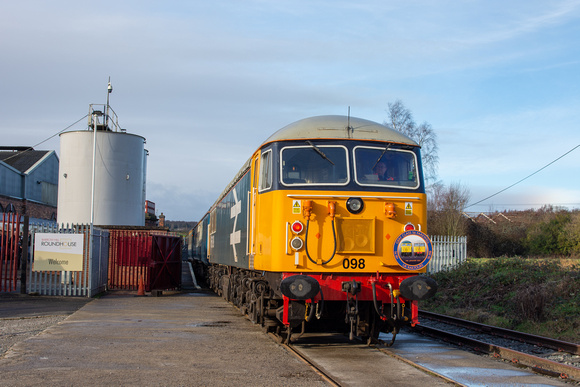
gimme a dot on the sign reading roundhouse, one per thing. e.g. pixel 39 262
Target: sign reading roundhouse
pixel 58 252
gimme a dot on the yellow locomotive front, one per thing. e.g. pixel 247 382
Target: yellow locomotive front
pixel 339 210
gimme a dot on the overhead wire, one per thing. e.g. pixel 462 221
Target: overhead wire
pixel 519 181
pixel 42 142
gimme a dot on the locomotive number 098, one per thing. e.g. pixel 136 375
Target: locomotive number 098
pixel 353 263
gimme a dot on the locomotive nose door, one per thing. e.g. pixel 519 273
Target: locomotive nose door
pixel 252 209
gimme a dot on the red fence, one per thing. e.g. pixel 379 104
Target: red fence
pixel 9 251
pixel 138 254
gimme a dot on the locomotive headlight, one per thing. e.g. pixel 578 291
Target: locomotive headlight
pixel 296 243
pixel 354 205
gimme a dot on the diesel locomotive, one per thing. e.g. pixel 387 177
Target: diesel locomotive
pixel 323 226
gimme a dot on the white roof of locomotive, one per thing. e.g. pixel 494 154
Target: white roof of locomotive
pixel 328 127
pixel 339 127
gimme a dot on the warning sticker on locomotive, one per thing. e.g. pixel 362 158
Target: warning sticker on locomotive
pixel 408 208
pixel 296 207
pixel 413 250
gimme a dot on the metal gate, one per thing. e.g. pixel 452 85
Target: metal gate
pixel 10 247
pixel 144 255
pixel 89 281
pixel 166 262
pixel 129 254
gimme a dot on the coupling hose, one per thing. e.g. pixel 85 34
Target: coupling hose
pixel 306 243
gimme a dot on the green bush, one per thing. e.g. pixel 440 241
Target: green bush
pixel 549 237
pixel 545 232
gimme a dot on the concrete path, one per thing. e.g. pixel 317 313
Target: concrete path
pixel 179 339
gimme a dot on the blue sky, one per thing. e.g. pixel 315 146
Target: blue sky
pixel 206 82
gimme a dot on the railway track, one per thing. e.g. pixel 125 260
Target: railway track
pixel 319 370
pixel 543 355
pixel 415 360
pixel 343 362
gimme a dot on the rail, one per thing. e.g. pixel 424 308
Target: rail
pixel 557 345
pixel 485 345
pixel 293 350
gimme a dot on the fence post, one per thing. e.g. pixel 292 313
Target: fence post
pixel 24 255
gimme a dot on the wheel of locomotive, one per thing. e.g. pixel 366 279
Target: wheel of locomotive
pixel 253 308
pixel 241 290
pixel 233 288
pixel 209 278
pixel 216 280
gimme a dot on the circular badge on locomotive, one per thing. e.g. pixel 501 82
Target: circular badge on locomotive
pixel 413 250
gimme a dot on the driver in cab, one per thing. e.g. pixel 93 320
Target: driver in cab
pixel 381 171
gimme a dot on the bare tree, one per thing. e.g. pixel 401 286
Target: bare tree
pixel 401 119
pixel 435 196
pixel 446 205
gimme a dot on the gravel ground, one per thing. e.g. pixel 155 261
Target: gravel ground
pixel 15 330
pixel 23 316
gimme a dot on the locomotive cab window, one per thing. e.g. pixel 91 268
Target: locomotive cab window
pixel 266 170
pixel 382 166
pixel 314 164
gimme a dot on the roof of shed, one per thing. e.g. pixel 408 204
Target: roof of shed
pixel 21 160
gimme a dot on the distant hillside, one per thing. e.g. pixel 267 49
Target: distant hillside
pixel 180 226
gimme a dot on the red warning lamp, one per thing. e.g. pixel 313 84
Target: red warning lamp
pixel 297 227
pixel 409 227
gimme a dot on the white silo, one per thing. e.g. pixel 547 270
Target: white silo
pixel 119 182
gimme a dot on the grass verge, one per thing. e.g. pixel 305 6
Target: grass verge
pixel 538 296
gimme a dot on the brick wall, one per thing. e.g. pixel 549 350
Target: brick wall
pixel 32 209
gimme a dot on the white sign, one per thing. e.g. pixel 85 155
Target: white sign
pixel 58 252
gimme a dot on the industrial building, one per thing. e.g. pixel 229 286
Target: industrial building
pixel 29 182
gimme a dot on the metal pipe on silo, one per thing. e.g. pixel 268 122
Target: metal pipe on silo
pixel 91 232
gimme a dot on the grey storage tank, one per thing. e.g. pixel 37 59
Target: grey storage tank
pixel 120 174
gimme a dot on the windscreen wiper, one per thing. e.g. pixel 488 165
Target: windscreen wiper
pixel 321 153
pixel 381 156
